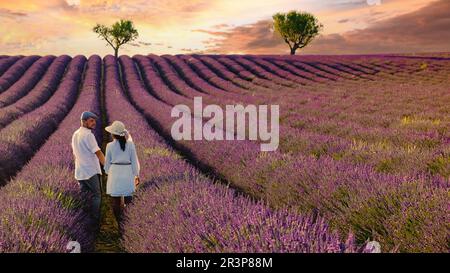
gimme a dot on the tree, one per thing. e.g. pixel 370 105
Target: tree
pixel 118 34
pixel 298 29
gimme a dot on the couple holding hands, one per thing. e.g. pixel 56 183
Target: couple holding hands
pixel 120 163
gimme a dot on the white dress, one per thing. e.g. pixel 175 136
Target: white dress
pixel 121 167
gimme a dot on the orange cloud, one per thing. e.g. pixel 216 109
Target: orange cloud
pixel 424 30
pixel 65 27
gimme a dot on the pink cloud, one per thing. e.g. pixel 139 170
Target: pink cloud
pixel 424 30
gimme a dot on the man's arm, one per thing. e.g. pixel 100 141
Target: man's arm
pixel 101 157
pixel 91 143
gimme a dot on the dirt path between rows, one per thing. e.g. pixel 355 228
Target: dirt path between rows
pixel 108 238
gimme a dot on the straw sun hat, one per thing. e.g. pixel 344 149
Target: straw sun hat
pixel 117 128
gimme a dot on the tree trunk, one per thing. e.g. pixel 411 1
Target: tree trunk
pixel 116 52
pixel 293 51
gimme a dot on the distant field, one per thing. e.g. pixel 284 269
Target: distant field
pixel 364 152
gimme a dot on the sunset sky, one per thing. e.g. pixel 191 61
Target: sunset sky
pixel 223 26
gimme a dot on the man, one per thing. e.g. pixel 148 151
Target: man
pixel 87 158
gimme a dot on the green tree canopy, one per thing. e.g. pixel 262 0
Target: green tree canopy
pixel 298 29
pixel 118 34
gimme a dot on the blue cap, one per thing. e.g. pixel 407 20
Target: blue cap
pixel 86 115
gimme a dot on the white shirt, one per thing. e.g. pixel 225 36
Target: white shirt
pixel 84 146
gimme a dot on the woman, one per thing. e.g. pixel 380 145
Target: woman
pixel 122 167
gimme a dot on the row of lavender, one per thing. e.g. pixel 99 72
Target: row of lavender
pixel 41 208
pixel 22 137
pixel 176 78
pixel 25 95
pixel 15 71
pixel 26 82
pixel 179 210
pixel 322 124
pixel 353 197
pixel 306 129
pixel 6 62
pixel 404 136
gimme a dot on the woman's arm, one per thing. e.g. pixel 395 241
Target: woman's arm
pixel 134 160
pixel 107 159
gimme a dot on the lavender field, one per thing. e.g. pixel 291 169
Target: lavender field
pixel 364 153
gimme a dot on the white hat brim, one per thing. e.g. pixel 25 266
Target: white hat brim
pixel 109 129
